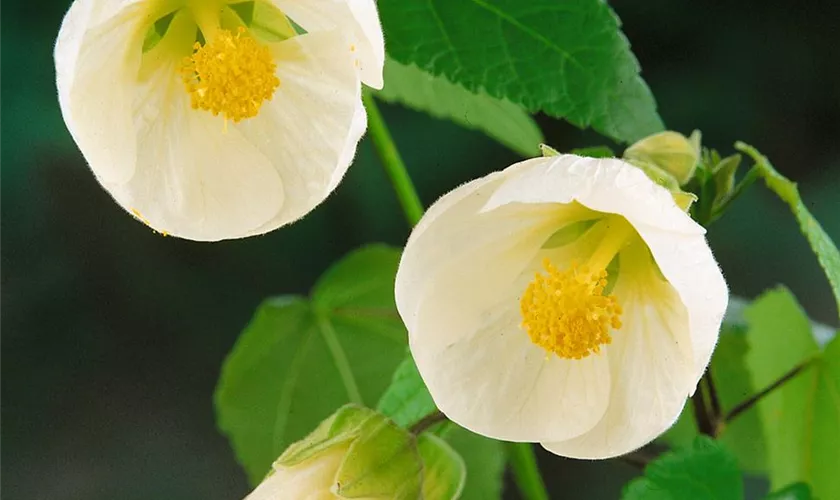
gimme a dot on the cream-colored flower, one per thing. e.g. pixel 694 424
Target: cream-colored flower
pixel 565 300
pixel 214 119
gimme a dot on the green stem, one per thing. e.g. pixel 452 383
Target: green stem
pixel 392 162
pixel 524 464
pixel 746 405
pixel 701 411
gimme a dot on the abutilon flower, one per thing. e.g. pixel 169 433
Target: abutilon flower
pixel 214 119
pixel 565 300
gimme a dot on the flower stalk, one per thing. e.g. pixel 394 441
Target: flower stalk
pixel 391 160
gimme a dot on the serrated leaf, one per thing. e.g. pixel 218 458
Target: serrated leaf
pixel 500 119
pixel 567 59
pixel 801 418
pixel 820 241
pixel 444 472
pixel 485 463
pixel 796 491
pixel 705 471
pixel 298 360
pixel 406 401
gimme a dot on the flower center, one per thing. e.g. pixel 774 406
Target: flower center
pixel 566 312
pixel 231 74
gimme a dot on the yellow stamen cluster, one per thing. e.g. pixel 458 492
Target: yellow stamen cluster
pixel 567 313
pixel 232 75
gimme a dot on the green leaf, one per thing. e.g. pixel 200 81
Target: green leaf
pixel 801 418
pixel 796 491
pixel 820 241
pixel 298 360
pixel 444 472
pixel 485 462
pixel 568 59
pixel 406 401
pixel 744 437
pixel 706 471
pixel 501 119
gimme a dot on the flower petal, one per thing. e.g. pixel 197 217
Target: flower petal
pixel 94 68
pixel 606 185
pixel 309 480
pixel 687 263
pixel 194 179
pixel 497 383
pixel 650 363
pixel 310 129
pixel 357 19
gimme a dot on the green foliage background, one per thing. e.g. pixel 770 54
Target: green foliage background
pixel 113 336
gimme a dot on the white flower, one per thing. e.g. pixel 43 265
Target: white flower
pixel 566 300
pixel 209 119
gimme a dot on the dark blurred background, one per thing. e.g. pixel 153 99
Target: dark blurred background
pixel 112 336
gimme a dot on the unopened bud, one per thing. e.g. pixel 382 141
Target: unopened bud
pixel 356 453
pixel 669 151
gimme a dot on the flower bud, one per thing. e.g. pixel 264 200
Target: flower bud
pixel 670 151
pixel 356 453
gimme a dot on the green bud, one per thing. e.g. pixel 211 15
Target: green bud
pixel 671 152
pixel 355 453
pixel 444 471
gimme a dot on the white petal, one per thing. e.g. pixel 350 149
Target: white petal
pixel 606 185
pixel 95 62
pixel 309 480
pixel 675 240
pixel 195 180
pixel 357 19
pixel 650 364
pixel 310 129
pixel 497 383
pixel 687 263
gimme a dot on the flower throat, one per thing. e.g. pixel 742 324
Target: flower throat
pixel 566 312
